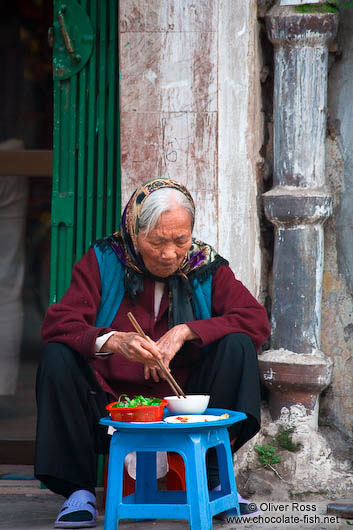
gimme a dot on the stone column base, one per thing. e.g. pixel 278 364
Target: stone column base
pixel 294 378
pixel 313 469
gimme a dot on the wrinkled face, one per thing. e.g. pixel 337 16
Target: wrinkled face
pixel 163 249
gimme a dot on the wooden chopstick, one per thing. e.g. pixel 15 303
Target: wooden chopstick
pixel 174 385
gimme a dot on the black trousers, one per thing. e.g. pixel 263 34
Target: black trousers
pixel 70 402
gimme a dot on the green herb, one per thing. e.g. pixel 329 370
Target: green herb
pixel 266 454
pixel 137 401
pixel 283 440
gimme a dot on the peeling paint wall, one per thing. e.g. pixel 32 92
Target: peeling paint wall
pixel 240 139
pixel 190 110
pixel 337 302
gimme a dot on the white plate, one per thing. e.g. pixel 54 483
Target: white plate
pixel 190 418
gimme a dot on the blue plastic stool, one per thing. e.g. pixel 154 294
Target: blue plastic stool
pixel 197 504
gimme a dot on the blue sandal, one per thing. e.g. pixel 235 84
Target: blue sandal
pixel 78 511
pixel 247 509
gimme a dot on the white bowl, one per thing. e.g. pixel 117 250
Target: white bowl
pixel 192 404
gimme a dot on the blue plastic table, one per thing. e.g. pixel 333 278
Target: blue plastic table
pixel 191 440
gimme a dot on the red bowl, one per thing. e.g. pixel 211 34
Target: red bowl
pixel 144 413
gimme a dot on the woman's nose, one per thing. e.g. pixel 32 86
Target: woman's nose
pixel 168 252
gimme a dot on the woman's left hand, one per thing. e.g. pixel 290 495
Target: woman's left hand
pixel 171 342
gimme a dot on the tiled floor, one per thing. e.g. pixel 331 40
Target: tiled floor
pixel 33 509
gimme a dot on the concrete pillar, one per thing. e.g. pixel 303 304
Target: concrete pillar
pixel 295 370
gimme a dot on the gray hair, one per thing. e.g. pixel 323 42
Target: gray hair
pixel 159 202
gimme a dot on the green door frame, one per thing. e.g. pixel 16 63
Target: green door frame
pixel 86 193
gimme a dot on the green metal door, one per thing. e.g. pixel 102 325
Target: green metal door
pixel 86 168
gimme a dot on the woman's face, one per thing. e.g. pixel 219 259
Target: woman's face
pixel 164 248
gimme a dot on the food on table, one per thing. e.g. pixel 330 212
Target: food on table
pixel 182 419
pixel 136 401
pixel 192 419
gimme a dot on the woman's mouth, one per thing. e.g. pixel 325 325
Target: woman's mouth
pixel 170 267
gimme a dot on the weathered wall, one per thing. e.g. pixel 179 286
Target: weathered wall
pixel 190 110
pixel 337 308
pixel 240 137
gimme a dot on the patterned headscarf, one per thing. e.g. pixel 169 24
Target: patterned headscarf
pixel 200 261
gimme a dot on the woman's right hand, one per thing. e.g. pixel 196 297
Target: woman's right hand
pixel 134 348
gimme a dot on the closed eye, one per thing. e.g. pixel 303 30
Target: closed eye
pixel 181 240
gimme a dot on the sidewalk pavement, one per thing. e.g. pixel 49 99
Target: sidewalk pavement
pixel 24 506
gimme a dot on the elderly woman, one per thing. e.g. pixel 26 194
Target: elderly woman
pixel 204 324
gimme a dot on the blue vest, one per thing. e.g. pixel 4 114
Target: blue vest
pixel 112 273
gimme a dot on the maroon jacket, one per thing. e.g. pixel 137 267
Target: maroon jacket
pixel 71 322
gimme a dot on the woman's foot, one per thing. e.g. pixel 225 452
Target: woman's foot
pixel 247 509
